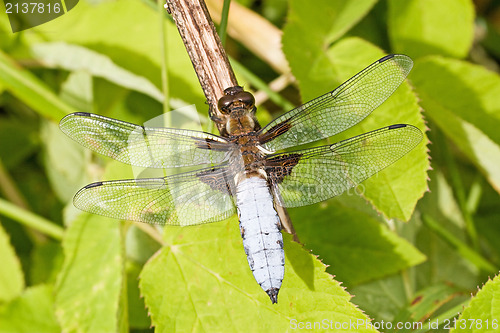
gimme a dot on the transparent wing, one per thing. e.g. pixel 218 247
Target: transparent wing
pixel 312 175
pixel 339 109
pixel 144 146
pixel 190 198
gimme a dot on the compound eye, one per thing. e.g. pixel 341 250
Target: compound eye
pixel 246 98
pixel 224 103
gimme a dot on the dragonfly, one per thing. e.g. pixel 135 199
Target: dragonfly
pixel 248 169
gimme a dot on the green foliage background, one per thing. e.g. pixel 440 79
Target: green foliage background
pixel 413 247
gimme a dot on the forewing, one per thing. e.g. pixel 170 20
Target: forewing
pixel 190 198
pixel 313 175
pixel 144 146
pixel 339 109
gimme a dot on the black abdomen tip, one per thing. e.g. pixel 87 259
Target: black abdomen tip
pixel 273 295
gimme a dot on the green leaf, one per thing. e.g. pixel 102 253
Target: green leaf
pixel 381 299
pixel 89 287
pixel 314 28
pixel 21 135
pixel 64 161
pixel 78 58
pixel 33 311
pixel 200 281
pixel 138 50
pixel 468 87
pixel 31 90
pixel 347 238
pixel 137 312
pixel 469 90
pixel 483 312
pixel 426 302
pixel 423 27
pixel 11 274
pixel 396 190
pixel 47 259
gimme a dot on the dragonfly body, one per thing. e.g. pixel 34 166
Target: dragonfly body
pixel 243 171
pixel 259 222
pixel 260 229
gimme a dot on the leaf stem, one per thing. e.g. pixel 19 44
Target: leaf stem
pixel 164 63
pixel 459 191
pixel 30 219
pixel 468 253
pixel 223 22
pixel 454 311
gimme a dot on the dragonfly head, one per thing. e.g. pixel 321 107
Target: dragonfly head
pixel 236 102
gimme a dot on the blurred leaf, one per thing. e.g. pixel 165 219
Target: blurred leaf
pixel 468 87
pixel 444 261
pixel 21 136
pixel 483 312
pixel 64 159
pixel 396 190
pixel 137 312
pixel 381 299
pixel 470 91
pixel 33 311
pixel 136 50
pixel 347 238
pixel 76 90
pixel 310 30
pixel 47 259
pixel 425 303
pixel 11 274
pixel 89 286
pixel 200 281
pixel 64 162
pixel 31 90
pixel 492 39
pixel 489 227
pixel 423 27
pixel 78 58
pixel 139 246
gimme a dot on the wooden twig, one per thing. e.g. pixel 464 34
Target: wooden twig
pixel 204 48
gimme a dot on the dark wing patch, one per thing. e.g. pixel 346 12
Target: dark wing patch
pixel 280 166
pixel 219 179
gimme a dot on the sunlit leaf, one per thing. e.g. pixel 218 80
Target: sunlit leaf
pixel 423 27
pixel 89 287
pixel 314 28
pixel 200 281
pixel 483 312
